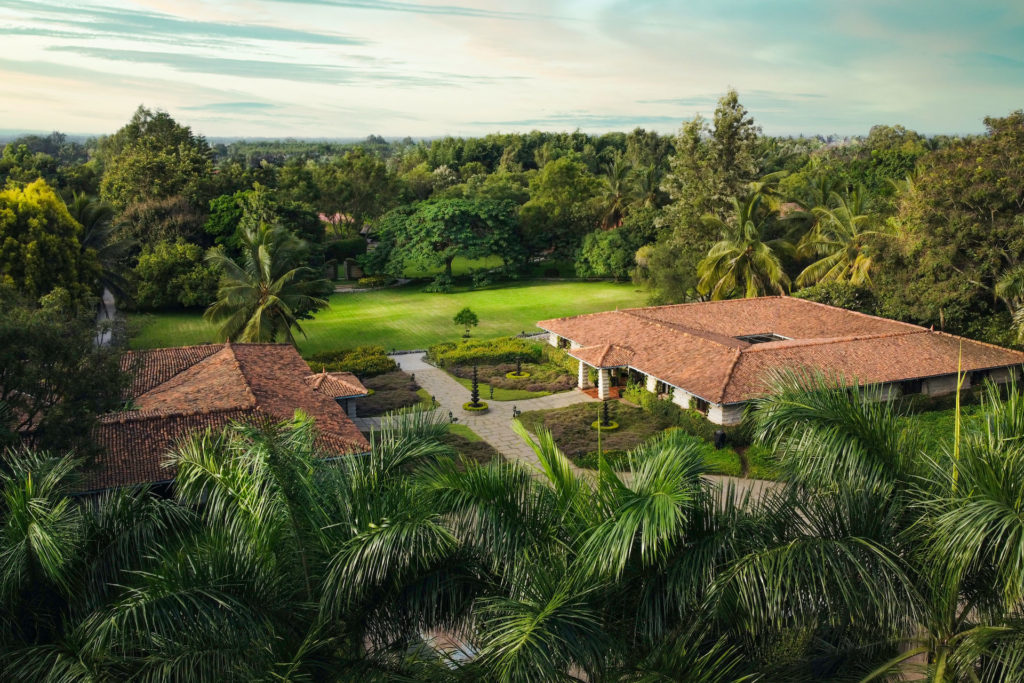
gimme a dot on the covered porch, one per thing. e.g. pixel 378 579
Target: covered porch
pixel 611 365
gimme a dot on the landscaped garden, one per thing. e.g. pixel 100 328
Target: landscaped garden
pixel 407 318
pixel 507 368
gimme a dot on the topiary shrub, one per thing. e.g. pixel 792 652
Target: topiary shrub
pixel 481 407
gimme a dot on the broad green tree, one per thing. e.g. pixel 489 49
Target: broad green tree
pixel 153 157
pixel 435 232
pixel 41 244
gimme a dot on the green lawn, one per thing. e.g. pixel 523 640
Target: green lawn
pixel 406 318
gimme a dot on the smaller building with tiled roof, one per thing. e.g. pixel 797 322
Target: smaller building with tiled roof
pixel 177 391
pixel 716 356
pixel 343 387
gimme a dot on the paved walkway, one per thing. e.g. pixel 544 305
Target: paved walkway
pixel 495 426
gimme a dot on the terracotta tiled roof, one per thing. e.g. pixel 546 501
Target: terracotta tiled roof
pixel 186 389
pixel 337 384
pixel 695 346
pixel 604 356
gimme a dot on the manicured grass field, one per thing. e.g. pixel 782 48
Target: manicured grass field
pixel 406 318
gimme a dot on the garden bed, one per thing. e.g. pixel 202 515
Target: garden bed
pixel 391 391
pixel 543 379
pixel 469 445
pixel 572 431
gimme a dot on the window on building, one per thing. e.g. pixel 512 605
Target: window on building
pixel 700 405
pixel 761 338
pixel 911 386
pixel 979 377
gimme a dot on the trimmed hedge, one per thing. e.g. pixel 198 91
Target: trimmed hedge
pixel 484 352
pixel 375 281
pixel 363 361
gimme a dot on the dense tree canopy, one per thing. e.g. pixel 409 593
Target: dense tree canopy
pixel 153 157
pixel 54 379
pixel 433 233
pixel 40 244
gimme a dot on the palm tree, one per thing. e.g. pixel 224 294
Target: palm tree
pixel 96 218
pixel 743 260
pixel 1010 288
pixel 261 298
pixel 840 237
pixel 617 192
pixel 647 181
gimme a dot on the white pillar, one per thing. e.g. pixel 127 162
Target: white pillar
pixel 584 376
pixel 553 339
pixel 652 383
pixel 602 384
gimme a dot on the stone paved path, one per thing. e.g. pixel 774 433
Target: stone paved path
pixel 495 427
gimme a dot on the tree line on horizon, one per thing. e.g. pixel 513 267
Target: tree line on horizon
pixel 929 230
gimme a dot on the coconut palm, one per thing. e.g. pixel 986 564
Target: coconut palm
pixel 744 261
pixel 96 218
pixel 1010 288
pixel 840 236
pixel 925 549
pixel 616 192
pixel 261 297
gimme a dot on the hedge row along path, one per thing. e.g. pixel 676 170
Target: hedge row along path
pixel 495 426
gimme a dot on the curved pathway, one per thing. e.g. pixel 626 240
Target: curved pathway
pixel 495 427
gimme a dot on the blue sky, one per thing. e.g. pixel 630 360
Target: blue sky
pixel 348 68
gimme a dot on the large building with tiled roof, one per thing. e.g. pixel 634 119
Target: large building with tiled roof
pixel 181 390
pixel 715 356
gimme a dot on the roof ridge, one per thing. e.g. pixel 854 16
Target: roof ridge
pixel 728 375
pixel 713 337
pixel 818 341
pixel 246 386
pixel 122 416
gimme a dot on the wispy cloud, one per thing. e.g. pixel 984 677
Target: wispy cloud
pixel 345 68
pixel 128 23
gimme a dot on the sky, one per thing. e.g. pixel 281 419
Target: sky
pixel 350 68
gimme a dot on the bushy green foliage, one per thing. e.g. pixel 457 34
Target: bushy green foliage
pixel 40 246
pixel 375 281
pixel 484 352
pixel 363 361
pixel 174 275
pixel 348 247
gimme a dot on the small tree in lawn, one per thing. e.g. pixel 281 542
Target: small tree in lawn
pixel 466 318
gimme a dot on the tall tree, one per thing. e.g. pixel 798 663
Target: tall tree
pixel 841 239
pixel 153 157
pixel 96 219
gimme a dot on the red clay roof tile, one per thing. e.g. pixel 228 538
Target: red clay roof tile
pixel 694 346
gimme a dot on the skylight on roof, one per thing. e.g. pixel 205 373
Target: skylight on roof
pixel 761 338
